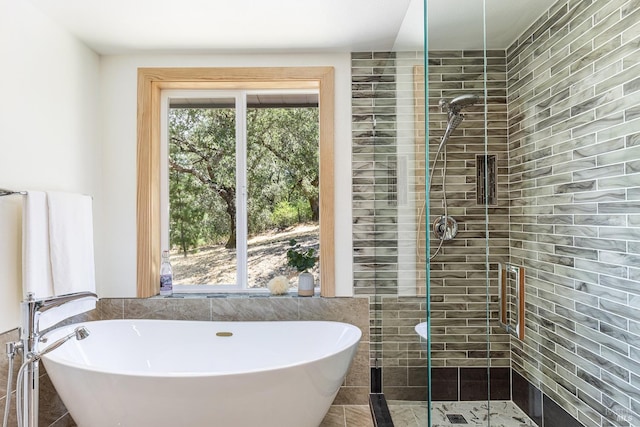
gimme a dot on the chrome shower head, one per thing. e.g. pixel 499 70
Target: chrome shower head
pixel 454 117
pixel 462 101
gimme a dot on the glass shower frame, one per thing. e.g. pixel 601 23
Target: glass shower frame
pixel 396 174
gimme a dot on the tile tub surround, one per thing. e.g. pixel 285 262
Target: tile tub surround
pixel 574 179
pixel 354 392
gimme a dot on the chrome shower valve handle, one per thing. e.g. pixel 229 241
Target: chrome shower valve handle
pixel 445 227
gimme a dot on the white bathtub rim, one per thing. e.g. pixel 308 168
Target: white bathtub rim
pixel 51 357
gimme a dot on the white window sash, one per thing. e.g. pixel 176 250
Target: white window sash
pixel 241 202
pixel 242 284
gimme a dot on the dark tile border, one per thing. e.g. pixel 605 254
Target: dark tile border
pixel 474 384
pixel 538 406
pixel 451 384
pixel 500 383
pixel 555 416
pixel 444 384
pixel 379 410
pixel 376 380
pixel 527 397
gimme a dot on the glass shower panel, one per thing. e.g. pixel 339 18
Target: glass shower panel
pixel 389 186
pixel 429 185
pixel 457 220
pixel 465 234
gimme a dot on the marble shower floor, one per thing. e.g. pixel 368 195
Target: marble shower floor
pixel 502 413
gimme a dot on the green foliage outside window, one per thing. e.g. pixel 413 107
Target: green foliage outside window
pixel 282 171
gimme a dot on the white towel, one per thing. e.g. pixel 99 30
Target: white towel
pixel 71 243
pixel 58 251
pixel 36 262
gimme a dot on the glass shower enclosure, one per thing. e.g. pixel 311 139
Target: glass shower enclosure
pixel 430 183
pixel 496 165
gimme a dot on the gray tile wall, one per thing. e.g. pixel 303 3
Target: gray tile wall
pixel 574 164
pixel 374 146
pixel 381 95
pixel 459 292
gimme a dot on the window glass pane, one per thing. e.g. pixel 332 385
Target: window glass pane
pixel 202 192
pixel 283 196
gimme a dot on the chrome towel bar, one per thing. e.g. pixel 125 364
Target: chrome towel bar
pixel 5 192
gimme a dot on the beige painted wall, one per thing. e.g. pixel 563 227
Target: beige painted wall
pixel 48 127
pixel 116 235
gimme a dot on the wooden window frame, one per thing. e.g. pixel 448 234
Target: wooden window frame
pixel 152 81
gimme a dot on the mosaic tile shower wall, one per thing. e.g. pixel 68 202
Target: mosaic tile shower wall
pixel 389 225
pixel 574 146
pixel 459 273
pixel 374 137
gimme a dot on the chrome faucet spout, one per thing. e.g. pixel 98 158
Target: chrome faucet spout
pixel 56 301
pixel 33 308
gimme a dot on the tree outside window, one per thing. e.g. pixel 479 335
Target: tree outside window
pixel 282 200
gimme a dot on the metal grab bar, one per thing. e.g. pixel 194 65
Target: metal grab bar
pixel 503 294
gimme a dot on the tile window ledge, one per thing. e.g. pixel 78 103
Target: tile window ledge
pixel 266 294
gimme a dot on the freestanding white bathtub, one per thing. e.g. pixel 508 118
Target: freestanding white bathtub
pixel 155 373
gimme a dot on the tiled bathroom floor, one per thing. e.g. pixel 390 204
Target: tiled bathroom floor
pixel 338 416
pixel 502 413
pixel 414 414
pixel 348 416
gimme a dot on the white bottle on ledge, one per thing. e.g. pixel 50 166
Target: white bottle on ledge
pixel 166 275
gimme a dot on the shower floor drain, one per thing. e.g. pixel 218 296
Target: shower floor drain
pixel 456 419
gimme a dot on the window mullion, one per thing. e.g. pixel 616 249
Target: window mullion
pixel 241 194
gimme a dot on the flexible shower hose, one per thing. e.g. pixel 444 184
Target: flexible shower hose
pixel 19 383
pixel 7 404
pixel 20 391
pixel 444 190
pixel 444 193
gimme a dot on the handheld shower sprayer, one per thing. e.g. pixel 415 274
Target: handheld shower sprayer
pixel 454 116
pixel 78 333
pixel 446 227
pixel 459 102
pixel 32 358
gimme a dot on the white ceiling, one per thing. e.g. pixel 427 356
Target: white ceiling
pixel 198 26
